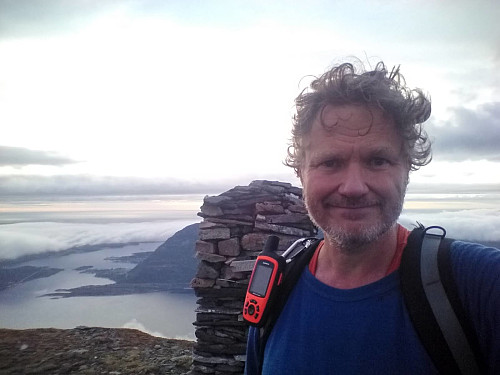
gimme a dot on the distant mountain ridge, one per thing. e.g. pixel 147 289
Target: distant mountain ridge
pixel 169 268
pixel 171 262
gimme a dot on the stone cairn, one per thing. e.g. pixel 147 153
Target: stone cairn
pixel 235 227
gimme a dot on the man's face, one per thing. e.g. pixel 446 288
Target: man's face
pixel 354 174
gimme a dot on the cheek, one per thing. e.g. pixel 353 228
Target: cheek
pixel 402 179
pixel 316 186
pixel 395 187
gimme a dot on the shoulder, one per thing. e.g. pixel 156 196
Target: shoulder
pixel 476 269
pixel 459 245
pixel 474 257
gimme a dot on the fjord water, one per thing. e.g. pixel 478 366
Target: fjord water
pixel 163 314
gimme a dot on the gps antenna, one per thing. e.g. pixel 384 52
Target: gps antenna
pixel 271 244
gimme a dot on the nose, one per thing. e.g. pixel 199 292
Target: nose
pixel 354 183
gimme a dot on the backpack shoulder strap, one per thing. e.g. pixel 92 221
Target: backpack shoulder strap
pixel 433 316
pixel 291 275
pixel 473 352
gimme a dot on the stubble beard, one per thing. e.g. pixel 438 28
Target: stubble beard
pixel 349 240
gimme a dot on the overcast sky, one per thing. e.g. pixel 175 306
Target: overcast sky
pixel 196 96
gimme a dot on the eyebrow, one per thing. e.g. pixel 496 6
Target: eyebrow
pixel 383 150
pixel 331 154
pixel 387 151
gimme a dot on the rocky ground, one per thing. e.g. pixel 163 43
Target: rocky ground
pixel 90 350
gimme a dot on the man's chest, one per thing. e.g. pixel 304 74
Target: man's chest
pixel 365 331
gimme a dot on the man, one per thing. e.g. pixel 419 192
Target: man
pixel 356 137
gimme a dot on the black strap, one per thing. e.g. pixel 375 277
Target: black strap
pixel 291 275
pixel 419 306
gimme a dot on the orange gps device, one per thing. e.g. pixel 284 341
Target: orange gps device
pixel 264 282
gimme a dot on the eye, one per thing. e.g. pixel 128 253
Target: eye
pixel 378 162
pixel 330 163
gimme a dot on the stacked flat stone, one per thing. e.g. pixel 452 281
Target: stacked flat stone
pixel 235 227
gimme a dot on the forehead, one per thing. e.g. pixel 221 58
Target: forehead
pixel 343 128
pixel 353 121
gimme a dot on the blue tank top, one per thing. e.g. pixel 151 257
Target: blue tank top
pixel 366 330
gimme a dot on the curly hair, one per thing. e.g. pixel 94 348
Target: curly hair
pixel 343 85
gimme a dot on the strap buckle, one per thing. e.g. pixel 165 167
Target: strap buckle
pixel 297 247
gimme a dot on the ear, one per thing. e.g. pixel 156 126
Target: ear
pixel 298 172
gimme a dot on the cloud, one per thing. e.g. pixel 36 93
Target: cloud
pixel 50 17
pixel 468 134
pixel 58 185
pixel 28 185
pixel 20 156
pixel 451 188
pixel 33 238
pixel 473 225
pixel 135 324
pixel 88 185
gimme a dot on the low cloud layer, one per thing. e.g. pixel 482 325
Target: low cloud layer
pixel 135 324
pixel 32 238
pixel 473 225
pixel 449 188
pixel 468 134
pixel 20 156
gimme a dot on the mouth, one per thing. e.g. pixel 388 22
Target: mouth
pixel 352 210
pixel 352 204
pixel 354 214
pixel 357 207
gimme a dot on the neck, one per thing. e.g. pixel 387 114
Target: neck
pixel 352 268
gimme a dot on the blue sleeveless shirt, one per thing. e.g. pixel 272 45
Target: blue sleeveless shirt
pixel 367 330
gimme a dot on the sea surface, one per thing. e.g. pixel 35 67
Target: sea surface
pixel 162 314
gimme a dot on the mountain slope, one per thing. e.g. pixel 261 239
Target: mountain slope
pixel 171 262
